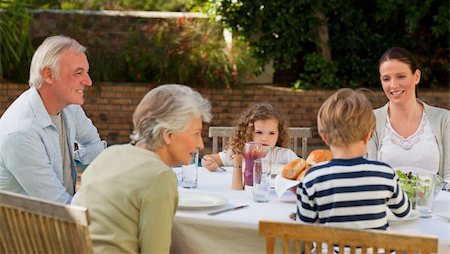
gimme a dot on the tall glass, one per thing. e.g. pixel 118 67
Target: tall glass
pixel 189 173
pixel 425 189
pixel 261 180
pixel 252 152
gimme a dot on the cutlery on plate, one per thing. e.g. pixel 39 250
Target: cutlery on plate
pixel 219 167
pixel 228 210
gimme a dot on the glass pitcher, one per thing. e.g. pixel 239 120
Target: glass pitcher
pixel 252 152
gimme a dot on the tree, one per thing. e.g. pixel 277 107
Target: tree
pixel 337 43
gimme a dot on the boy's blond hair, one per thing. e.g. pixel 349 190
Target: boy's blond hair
pixel 345 117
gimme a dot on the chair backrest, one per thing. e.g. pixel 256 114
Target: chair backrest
pixel 30 225
pixel 222 135
pixel 347 240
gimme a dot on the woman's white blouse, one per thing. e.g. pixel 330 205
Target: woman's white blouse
pixel 418 152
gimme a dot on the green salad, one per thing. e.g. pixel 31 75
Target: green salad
pixel 408 184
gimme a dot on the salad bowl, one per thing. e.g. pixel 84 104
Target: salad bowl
pixel 408 183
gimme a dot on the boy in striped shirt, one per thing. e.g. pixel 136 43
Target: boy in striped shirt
pixel 349 191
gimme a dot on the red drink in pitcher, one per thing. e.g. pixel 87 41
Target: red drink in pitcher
pixel 252 151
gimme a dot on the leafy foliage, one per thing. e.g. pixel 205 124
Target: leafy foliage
pixel 182 50
pixel 188 52
pixel 288 32
pixel 15 45
pixel 141 5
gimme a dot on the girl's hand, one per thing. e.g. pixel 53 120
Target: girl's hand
pixel 209 163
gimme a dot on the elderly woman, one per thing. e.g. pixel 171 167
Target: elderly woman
pixel 131 191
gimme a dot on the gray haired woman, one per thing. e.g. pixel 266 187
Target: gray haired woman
pixel 131 190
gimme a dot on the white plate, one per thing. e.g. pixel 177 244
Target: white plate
pixel 200 200
pixel 394 219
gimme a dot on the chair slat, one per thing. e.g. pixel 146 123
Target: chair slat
pixel 308 247
pixel 285 245
pixel 330 247
pixel 30 225
pixel 347 240
pixel 270 245
pixel 318 250
pixel 297 246
pixel 364 249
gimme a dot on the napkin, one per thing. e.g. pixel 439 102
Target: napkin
pixel 282 185
pixel 276 168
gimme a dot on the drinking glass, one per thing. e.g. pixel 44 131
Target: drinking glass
pixel 190 173
pixel 425 189
pixel 261 180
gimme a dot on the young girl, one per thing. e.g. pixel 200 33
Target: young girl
pixel 262 123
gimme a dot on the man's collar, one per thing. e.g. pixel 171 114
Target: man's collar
pixel 38 108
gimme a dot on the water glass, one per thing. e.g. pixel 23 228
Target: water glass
pixel 425 186
pixel 261 180
pixel 189 173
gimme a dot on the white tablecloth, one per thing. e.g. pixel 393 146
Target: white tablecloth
pixel 195 231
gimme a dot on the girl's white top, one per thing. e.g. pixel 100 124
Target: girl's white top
pixel 279 155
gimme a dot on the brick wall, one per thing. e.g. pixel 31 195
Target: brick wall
pixel 110 106
pixel 100 29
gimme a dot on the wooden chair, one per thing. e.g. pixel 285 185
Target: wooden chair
pixel 222 135
pixel 353 240
pixel 30 225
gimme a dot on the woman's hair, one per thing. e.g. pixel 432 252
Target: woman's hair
pixel 345 117
pixel 246 125
pixel 167 109
pixel 402 55
pixel 48 55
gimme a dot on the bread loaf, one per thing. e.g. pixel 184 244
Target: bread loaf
pixel 319 155
pixel 300 176
pixel 293 168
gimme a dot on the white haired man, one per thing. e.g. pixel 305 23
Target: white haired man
pixel 39 130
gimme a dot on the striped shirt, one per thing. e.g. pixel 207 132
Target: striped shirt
pixel 353 193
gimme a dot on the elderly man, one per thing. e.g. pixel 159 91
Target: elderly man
pixel 38 132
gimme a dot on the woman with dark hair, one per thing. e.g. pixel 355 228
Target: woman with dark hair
pixel 410 135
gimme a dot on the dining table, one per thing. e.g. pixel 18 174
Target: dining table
pixel 236 231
